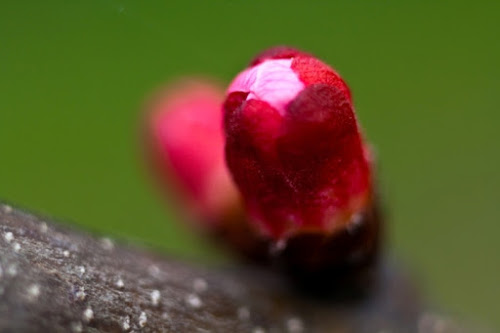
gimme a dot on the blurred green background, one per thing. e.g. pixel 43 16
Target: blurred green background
pixel 425 78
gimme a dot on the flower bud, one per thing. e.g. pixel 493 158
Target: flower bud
pixel 186 144
pixel 295 151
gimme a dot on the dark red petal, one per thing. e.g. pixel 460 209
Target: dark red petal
pixel 234 100
pixel 253 129
pixel 251 155
pixel 321 152
pixel 278 52
pixel 311 70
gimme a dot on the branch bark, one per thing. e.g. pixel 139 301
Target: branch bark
pixel 55 279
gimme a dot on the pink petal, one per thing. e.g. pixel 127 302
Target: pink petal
pixel 272 81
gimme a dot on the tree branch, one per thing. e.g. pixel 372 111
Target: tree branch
pixel 54 279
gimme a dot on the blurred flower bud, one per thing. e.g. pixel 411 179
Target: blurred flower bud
pixel 186 144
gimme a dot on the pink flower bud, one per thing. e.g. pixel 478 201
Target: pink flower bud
pixel 294 147
pixel 185 140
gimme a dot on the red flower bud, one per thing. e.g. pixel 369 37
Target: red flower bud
pixel 294 148
pixel 186 144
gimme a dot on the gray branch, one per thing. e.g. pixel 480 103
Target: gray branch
pixel 54 279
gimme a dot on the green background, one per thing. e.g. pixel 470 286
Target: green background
pixel 425 79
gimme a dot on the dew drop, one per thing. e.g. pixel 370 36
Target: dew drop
pixel 81 270
pixel 143 319
pixel 119 283
pixel 155 297
pixel 17 247
pixel 276 248
pixel 12 270
pixel 154 271
pixel 88 314
pixel 355 223
pixel 200 285
pixel 66 253
pixel 193 301
pixel 8 236
pixel 80 294
pixel 7 209
pixel 33 291
pixel 126 323
pixel 107 244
